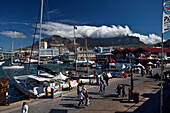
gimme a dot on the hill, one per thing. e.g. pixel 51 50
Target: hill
pixel 125 41
pixel 166 44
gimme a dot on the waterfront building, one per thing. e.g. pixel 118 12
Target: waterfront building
pixel 67 56
pixel 49 52
pixel 82 54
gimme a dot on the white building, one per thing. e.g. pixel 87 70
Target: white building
pixel 50 52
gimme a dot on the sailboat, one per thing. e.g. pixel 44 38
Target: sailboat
pixel 13 65
pixel 37 85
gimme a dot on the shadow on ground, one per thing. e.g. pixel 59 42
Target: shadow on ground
pixel 58 111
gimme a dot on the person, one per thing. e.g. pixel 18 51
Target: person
pixel 123 90
pixel 119 89
pixel 81 96
pixel 147 70
pixel 156 76
pixel 78 89
pixel 101 78
pixel 150 72
pixel 142 72
pixel 104 88
pixel 101 85
pixel 69 86
pixel 24 108
pixel 86 95
pixel 83 89
pixel 106 78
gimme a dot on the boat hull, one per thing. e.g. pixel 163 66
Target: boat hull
pixel 13 67
pixel 23 89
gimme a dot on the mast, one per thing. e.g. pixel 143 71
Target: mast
pixel 87 57
pixel 40 33
pixel 12 53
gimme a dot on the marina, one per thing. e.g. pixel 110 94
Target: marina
pixel 88 56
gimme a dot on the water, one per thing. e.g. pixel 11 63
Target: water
pixel 15 94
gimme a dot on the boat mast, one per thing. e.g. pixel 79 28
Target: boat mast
pixel 87 57
pixel 12 53
pixel 40 33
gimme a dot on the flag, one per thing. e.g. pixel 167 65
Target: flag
pixel 166 17
pixel 75 27
pixel 112 60
pixel 107 61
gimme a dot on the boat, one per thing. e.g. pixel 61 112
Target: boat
pixel 82 62
pixel 13 65
pixel 39 84
pixel 1 62
pixel 36 85
pixel 4 85
pixel 3 88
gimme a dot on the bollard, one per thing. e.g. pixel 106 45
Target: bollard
pixel 29 95
pixel 8 100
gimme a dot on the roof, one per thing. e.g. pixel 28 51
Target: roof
pixel 156 50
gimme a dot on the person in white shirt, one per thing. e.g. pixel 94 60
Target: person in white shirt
pixel 81 96
pixel 24 108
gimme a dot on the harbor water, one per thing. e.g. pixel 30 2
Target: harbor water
pixel 15 94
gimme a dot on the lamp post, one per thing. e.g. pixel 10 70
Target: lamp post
pixel 74 27
pixel 131 75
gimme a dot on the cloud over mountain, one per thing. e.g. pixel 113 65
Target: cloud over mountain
pixel 13 34
pixel 64 30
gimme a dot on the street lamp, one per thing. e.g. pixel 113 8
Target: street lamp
pixel 131 75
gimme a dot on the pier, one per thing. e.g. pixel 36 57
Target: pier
pixel 148 89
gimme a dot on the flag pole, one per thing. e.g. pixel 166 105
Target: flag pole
pixel 161 96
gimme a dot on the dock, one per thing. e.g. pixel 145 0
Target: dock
pixel 149 99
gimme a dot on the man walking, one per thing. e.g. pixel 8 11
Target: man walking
pixel 81 96
pixel 24 108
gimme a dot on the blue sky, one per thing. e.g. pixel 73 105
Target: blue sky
pixel 97 18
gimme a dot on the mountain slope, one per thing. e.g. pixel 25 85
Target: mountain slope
pixel 125 41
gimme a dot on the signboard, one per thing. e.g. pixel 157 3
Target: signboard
pixel 56 92
pixel 166 17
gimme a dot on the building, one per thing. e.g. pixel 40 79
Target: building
pixel 103 49
pixel 82 54
pixel 50 52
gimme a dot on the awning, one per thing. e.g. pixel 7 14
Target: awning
pixel 143 58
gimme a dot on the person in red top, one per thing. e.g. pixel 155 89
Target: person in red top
pixel 86 95
pixel 119 89
pixel 69 86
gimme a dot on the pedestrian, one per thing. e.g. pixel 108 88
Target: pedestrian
pixel 147 70
pixel 24 107
pixel 78 89
pixel 104 88
pixel 123 90
pixel 83 89
pixel 119 89
pixel 101 86
pixel 150 72
pixel 69 86
pixel 142 72
pixel 106 78
pixel 86 95
pixel 81 96
pixel 101 78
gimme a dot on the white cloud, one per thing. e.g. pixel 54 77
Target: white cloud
pixel 13 34
pixel 64 30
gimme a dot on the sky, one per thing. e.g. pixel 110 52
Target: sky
pixel 93 18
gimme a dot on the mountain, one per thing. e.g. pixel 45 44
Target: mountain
pixel 124 41
pixel 166 44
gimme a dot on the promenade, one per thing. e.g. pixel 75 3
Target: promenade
pixel 149 99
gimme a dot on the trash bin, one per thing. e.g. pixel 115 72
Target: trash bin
pixel 136 97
